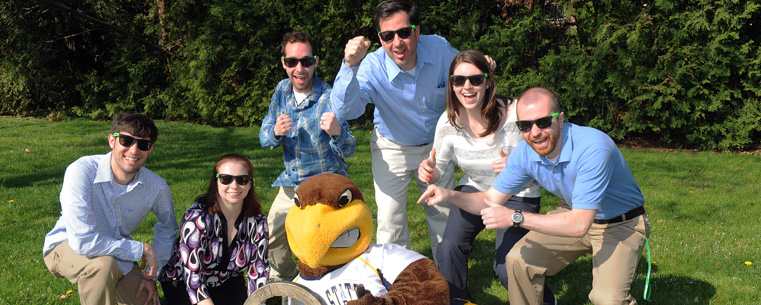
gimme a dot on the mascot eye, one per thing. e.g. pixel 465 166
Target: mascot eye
pixel 345 198
pixel 296 200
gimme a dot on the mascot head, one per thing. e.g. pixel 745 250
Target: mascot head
pixel 330 224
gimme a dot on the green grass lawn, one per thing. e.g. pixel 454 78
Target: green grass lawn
pixel 703 208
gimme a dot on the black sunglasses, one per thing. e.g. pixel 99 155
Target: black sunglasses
pixel 306 61
pixel 127 141
pixel 227 179
pixel 404 33
pixel 542 123
pixel 475 79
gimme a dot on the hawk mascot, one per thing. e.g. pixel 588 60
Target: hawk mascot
pixel 329 229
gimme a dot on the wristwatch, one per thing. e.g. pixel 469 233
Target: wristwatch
pixel 517 218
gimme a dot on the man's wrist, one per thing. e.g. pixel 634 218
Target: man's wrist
pixel 352 66
pixel 517 218
pixel 148 251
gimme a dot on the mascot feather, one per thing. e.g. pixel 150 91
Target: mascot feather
pixel 330 228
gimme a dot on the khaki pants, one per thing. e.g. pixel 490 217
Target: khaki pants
pixel 615 250
pixel 99 279
pixel 282 266
pixel 393 165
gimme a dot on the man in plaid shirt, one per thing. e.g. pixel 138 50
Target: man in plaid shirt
pixel 314 141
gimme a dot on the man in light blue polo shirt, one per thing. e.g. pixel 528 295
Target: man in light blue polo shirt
pixel 604 215
pixel 406 81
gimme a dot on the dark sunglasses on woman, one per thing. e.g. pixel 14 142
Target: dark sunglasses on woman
pixel 542 123
pixel 227 179
pixel 475 79
pixel 306 61
pixel 127 141
pixel 404 33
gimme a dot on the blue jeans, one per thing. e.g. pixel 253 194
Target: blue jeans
pixel 460 233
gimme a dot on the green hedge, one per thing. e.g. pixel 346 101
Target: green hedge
pixel 686 73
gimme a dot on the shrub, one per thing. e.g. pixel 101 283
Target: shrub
pixel 682 72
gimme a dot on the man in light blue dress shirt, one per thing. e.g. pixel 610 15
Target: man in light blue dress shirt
pixel 103 199
pixel 406 80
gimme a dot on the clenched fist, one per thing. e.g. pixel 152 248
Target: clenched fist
pixel 329 123
pixel 355 50
pixel 283 125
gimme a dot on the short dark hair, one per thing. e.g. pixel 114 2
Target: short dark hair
pixel 298 36
pixel 209 200
pixel 136 124
pixel 390 7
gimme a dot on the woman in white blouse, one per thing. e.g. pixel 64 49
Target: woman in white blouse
pixel 478 132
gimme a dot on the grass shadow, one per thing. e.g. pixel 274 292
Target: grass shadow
pixel 481 277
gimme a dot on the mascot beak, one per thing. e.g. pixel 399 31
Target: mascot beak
pixel 326 235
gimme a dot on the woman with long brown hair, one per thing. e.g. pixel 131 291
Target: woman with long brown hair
pixel 222 237
pixel 478 132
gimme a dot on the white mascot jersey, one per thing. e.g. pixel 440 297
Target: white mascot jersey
pixel 377 263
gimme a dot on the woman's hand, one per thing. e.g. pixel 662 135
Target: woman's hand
pixel 426 171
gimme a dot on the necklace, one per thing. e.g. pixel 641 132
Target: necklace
pixel 303 100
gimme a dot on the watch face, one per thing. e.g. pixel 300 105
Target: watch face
pixel 517 217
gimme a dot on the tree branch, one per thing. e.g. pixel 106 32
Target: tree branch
pixel 61 7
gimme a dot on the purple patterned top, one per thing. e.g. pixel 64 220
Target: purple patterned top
pixel 201 259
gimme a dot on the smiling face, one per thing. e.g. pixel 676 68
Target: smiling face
pixel 301 77
pixel 471 97
pixel 233 193
pixel 126 161
pixel 543 141
pixel 402 51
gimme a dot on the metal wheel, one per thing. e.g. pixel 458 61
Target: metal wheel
pixel 284 289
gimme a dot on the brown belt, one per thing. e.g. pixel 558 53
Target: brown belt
pixel 625 216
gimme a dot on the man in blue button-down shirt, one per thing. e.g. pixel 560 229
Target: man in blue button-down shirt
pixel 313 140
pixel 103 199
pixel 406 81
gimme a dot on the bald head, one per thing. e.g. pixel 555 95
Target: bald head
pixel 538 95
pixel 539 113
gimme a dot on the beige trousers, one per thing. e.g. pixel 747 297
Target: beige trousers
pixel 99 279
pixel 615 250
pixel 393 167
pixel 282 266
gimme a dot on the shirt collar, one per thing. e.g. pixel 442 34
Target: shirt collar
pixel 104 173
pixel 393 70
pixel 238 220
pixel 566 150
